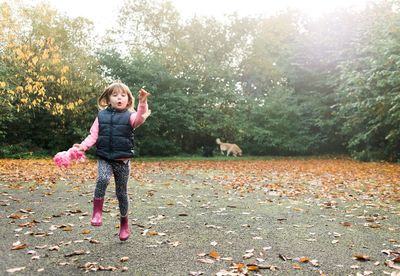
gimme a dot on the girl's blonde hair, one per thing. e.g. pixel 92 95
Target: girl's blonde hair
pixel 104 100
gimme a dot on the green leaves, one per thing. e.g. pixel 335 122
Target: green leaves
pixel 283 84
pixel 369 89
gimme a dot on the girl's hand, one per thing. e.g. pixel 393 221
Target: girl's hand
pixel 143 94
pixel 79 147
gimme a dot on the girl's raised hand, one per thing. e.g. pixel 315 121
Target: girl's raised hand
pixel 143 94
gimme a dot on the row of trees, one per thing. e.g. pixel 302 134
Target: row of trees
pixel 278 85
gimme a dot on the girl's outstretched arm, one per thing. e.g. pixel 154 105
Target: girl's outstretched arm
pixel 91 139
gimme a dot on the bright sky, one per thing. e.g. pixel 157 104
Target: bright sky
pixel 103 12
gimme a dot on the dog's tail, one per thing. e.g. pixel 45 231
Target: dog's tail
pixel 218 141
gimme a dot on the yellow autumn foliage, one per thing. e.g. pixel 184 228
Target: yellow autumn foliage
pixel 39 63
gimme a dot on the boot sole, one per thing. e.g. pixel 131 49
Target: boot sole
pixel 96 224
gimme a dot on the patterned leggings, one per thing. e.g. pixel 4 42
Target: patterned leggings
pixel 121 171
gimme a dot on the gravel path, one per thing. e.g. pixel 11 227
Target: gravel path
pixel 189 224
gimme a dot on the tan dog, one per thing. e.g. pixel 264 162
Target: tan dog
pixel 229 148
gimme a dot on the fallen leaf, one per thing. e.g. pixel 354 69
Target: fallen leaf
pixel 107 268
pixel 15 216
pixel 54 248
pixel 16 269
pixel 174 244
pixel 214 254
pixel 361 257
pixel 375 225
pixel 283 257
pixel 391 264
pixel 296 266
pixel 270 267
pixel 68 229
pixel 76 253
pixel 124 259
pixel 252 267
pixel 304 260
pixel 196 273
pixel 19 246
pixel 206 261
pixel 248 255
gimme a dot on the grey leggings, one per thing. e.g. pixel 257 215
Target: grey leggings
pixel 121 171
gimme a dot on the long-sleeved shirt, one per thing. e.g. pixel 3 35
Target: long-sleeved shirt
pixel 136 120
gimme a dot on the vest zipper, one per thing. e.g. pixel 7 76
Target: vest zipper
pixel 111 132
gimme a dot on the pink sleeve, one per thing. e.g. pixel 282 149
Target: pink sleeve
pixel 137 118
pixel 92 137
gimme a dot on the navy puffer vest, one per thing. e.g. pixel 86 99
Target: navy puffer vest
pixel 115 140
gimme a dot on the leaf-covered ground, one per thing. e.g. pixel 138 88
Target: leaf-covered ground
pixel 213 217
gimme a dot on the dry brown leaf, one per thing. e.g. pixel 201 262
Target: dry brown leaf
pixel 15 216
pixel 26 211
pixel 107 268
pixel 39 234
pixel 296 266
pixel 391 264
pixel 283 257
pixel 375 225
pixel 124 259
pixel 76 253
pixel 19 247
pixel 361 257
pixel 206 261
pixel 304 260
pixel 214 254
pixel 252 267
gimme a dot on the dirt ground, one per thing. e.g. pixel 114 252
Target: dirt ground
pixel 196 222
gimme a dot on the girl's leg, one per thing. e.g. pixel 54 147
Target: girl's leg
pixel 104 174
pixel 121 171
pixel 121 176
pixel 103 178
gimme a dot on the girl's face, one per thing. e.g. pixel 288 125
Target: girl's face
pixel 119 99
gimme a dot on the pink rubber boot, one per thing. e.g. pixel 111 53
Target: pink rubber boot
pixel 124 229
pixel 97 211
